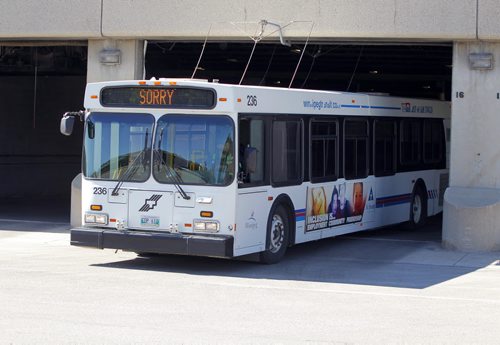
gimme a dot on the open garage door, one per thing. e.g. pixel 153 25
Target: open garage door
pixel 39 82
pixel 421 70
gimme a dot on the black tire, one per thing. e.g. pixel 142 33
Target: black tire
pixel 418 209
pixel 277 238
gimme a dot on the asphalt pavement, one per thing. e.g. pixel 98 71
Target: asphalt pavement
pixel 390 286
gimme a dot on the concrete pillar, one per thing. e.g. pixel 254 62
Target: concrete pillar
pixel 131 64
pixel 471 218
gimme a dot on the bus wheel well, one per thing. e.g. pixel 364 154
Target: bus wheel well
pixel 421 184
pixel 287 203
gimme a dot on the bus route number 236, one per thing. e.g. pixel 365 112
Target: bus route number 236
pixel 251 100
pixel 100 191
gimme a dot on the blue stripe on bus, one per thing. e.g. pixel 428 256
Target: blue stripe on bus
pixel 393 203
pixel 300 215
pixel 381 107
pixel 393 200
pixel 368 106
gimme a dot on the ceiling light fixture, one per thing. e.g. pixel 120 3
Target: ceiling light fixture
pixel 110 56
pixel 481 61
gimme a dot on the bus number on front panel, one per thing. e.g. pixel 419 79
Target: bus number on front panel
pixel 252 100
pixel 100 191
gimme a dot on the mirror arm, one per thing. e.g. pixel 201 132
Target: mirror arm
pixel 79 114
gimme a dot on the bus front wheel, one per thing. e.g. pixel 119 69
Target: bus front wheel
pixel 278 233
pixel 418 209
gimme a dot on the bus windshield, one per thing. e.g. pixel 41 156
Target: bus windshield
pixel 193 149
pixel 118 146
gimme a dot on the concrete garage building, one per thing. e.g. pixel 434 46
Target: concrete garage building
pixel 50 49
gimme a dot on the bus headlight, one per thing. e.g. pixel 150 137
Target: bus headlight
pixel 96 218
pixel 206 225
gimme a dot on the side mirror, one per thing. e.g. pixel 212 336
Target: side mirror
pixel 67 123
pixel 250 158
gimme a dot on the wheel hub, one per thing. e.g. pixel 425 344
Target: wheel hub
pixel 417 209
pixel 277 233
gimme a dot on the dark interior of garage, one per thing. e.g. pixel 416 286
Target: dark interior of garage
pixel 37 85
pixel 397 69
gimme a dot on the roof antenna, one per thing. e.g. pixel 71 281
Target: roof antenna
pixel 144 57
pixel 301 55
pixel 202 51
pixel 256 39
pixel 283 42
pixel 314 56
pixel 355 69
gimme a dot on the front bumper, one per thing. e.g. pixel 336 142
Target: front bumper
pixel 153 242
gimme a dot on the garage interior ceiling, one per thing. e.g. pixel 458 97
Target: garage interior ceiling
pixel 52 59
pixel 398 69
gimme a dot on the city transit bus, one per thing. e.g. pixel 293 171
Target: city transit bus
pixel 179 166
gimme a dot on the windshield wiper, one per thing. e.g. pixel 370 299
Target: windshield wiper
pixel 173 175
pixel 132 168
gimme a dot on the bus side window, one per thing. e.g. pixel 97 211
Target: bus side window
pixel 384 147
pixel 323 150
pixel 287 152
pixel 355 149
pixel 433 141
pixel 251 151
pixel 410 141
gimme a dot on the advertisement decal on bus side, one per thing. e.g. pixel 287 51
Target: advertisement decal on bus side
pixel 338 204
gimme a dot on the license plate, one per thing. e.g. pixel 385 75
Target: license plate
pixel 150 221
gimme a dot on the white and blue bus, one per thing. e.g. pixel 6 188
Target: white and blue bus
pixel 179 166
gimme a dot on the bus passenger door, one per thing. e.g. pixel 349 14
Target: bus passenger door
pixel 252 205
pixel 251 221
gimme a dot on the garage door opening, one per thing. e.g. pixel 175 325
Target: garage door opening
pixel 38 83
pixel 412 70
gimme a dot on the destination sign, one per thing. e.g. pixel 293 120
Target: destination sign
pixel 158 97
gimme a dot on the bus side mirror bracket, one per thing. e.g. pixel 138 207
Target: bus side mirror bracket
pixel 68 121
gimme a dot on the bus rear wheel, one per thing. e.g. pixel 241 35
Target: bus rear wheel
pixel 418 209
pixel 278 233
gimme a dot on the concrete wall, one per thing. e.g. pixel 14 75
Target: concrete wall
pixel 130 67
pixel 488 26
pixel 472 202
pixel 475 158
pixel 61 19
pixel 190 19
pixel 333 19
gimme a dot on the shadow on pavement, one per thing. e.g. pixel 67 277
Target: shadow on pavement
pixel 38 215
pixel 391 257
